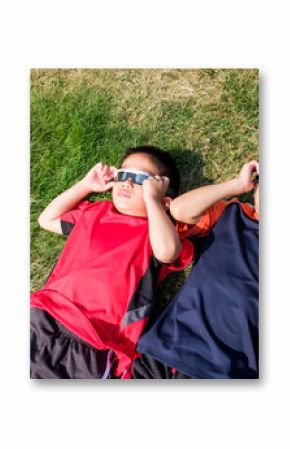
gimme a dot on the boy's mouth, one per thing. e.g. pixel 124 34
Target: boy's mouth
pixel 124 193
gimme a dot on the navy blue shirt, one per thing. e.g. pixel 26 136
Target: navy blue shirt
pixel 210 329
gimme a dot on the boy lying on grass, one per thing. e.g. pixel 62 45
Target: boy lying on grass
pixel 86 320
pixel 210 329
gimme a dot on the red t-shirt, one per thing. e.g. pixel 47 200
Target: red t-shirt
pixel 102 286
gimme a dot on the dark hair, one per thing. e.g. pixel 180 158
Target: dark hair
pixel 163 160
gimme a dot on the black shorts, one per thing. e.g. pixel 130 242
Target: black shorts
pixel 56 353
pixel 145 367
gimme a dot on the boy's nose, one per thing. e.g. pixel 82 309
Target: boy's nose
pixel 128 183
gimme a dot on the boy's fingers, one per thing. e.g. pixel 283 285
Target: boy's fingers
pixel 111 172
pixel 98 166
pixel 257 167
pixel 254 166
pixel 109 185
pixel 104 169
pixel 101 166
pixel 108 175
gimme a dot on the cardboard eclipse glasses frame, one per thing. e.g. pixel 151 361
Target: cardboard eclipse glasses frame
pixel 137 177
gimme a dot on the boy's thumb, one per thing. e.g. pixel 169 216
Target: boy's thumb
pixel 109 185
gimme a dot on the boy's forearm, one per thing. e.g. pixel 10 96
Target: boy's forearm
pixel 189 206
pixel 64 202
pixel 163 236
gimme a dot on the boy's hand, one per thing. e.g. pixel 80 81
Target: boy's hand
pixel 155 188
pixel 99 178
pixel 245 179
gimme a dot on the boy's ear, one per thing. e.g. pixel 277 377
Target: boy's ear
pixel 166 202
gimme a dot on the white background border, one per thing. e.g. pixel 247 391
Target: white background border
pixel 201 414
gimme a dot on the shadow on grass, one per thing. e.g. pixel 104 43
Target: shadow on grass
pixel 191 168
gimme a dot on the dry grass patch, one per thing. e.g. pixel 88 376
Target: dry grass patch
pixel 138 93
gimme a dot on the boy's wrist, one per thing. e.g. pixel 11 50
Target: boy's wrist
pixel 152 201
pixel 84 187
pixel 237 187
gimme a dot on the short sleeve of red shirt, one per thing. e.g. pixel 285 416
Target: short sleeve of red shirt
pixel 182 262
pixel 71 217
pixel 206 221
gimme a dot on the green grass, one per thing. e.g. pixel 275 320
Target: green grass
pixel 207 118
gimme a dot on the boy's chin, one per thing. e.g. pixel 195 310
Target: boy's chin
pixel 126 209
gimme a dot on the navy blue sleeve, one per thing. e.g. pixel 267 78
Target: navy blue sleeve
pixel 66 227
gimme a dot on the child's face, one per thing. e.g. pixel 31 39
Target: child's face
pixel 128 196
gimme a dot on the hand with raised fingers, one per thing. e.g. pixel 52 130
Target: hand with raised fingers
pixel 155 188
pixel 246 179
pixel 99 178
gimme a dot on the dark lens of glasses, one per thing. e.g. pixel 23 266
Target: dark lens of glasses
pixel 121 176
pixel 137 178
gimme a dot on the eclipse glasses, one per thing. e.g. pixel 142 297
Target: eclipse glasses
pixel 137 177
